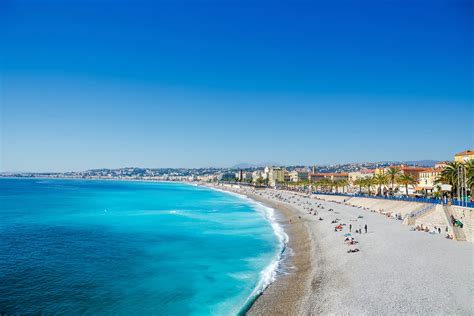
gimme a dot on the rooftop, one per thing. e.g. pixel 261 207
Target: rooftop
pixel 410 168
pixel 433 170
pixel 465 153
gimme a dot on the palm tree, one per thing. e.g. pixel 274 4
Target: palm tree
pixel 359 183
pixel 380 180
pixel 392 174
pixel 339 183
pixel 343 183
pixel 368 182
pixel 335 183
pixel 319 184
pixel 437 194
pixel 449 175
pixel 331 184
pixel 406 180
pixel 326 183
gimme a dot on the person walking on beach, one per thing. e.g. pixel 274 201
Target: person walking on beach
pixel 350 228
pixel 365 227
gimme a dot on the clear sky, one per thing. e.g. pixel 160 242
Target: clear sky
pixel 90 84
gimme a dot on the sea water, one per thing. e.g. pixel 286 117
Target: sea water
pixel 135 248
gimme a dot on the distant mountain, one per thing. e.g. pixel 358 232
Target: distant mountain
pixel 424 163
pixel 245 165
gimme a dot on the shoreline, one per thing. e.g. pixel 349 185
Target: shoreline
pixel 288 291
pixel 295 282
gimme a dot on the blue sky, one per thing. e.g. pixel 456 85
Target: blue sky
pixel 90 84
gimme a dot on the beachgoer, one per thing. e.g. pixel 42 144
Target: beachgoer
pixel 350 228
pixel 439 230
pixel 365 227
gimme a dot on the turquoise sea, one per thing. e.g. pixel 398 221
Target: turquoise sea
pixel 135 248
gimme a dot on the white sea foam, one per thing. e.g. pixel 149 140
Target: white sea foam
pixel 155 212
pixel 268 275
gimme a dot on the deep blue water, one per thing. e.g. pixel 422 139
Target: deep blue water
pixel 116 247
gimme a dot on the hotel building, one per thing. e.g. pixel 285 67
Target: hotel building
pixel 464 156
pixel 276 175
pixel 426 181
pixel 363 174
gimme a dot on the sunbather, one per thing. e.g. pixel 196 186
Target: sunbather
pixel 353 250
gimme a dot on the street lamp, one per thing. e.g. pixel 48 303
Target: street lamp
pixel 462 184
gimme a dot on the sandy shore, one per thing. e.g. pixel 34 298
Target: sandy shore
pixel 396 271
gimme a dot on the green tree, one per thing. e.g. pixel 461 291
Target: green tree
pixel 406 180
pixel 329 184
pixel 359 183
pixel 392 174
pixel 343 183
pixel 380 180
pixel 450 175
pixel 326 184
pixel 368 183
pixel 336 185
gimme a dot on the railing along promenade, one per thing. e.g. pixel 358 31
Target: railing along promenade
pixel 400 198
pixel 454 202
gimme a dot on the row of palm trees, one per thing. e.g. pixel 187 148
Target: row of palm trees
pixel 326 184
pixel 391 177
pixel 382 180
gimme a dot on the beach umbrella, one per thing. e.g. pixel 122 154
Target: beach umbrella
pixel 347 235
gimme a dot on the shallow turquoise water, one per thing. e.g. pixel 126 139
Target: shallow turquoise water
pixel 115 247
